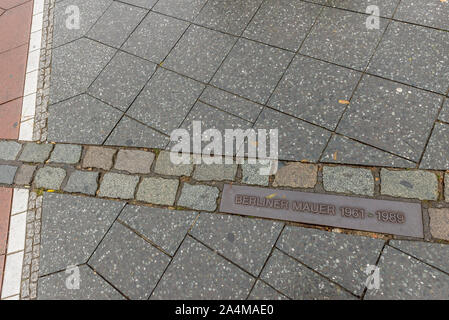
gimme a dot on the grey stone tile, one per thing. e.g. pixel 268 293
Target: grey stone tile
pixel 74 67
pixel 282 23
pixel 130 263
pixel 262 291
pixel 251 174
pixel 147 4
pixel 134 134
pixel 215 172
pixel 165 166
pixel 391 116
pixel 158 190
pixel 342 37
pixel 155 37
pixel 339 257
pixel 343 150
pixel 7 174
pixel 444 114
pixel 24 175
pixel 134 161
pixel 231 16
pixel 298 140
pixel 245 241
pixel 231 103
pixel 82 182
pixel 386 7
pixel 425 12
pixel 435 254
pixel 183 9
pixel 116 185
pixel 403 277
pixel 81 119
pixel 9 150
pixel 314 91
pixel 89 12
pixel 35 152
pixel 413 55
pixel 49 178
pixel 439 218
pixel 166 228
pixel 252 70
pixel 436 156
pixel 199 197
pixel 199 53
pixel 98 157
pixel 66 153
pixel 165 101
pixel 92 287
pixel 348 180
pixel 122 79
pixel 298 282
pixel 198 273
pixel 72 227
pixel 116 24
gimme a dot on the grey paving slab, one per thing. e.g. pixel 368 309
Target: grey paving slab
pixel 444 114
pixel 343 150
pixel 9 150
pixel 391 116
pixel 245 241
pixel 348 180
pixel 131 133
pixel 82 119
pixel 403 277
pixel 417 184
pixel 282 23
pixel 315 91
pixel 298 140
pixel 252 70
pixel 75 66
pixel 66 153
pixel 198 273
pixel 158 190
pixel 7 174
pixel 298 282
pixel 82 182
pixel 414 55
pixel 165 101
pixel 89 12
pixel 122 79
pixel 116 24
pixel 339 257
pixel 425 12
pixel 116 185
pixel 72 227
pixel 436 155
pixel 35 152
pixel 183 9
pixel 134 161
pixel 342 37
pixel 262 291
pixel 199 53
pixel 130 263
pixel 386 7
pixel 199 197
pixel 231 103
pixel 91 287
pixel 165 228
pixel 435 254
pixel 155 37
pixel 147 4
pixel 49 178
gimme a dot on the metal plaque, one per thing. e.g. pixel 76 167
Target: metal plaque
pixel 383 216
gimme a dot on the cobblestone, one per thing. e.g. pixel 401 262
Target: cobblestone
pixel 34 152
pixel 158 191
pixel 217 172
pixel 7 174
pixel 9 150
pixel 251 174
pixel 439 223
pixel 348 180
pixel 49 178
pixel 199 197
pixel 98 157
pixel 66 153
pixel 82 182
pixel 409 184
pixel 446 187
pixel 296 175
pixel 134 161
pixel 24 175
pixel 115 185
pixel 165 166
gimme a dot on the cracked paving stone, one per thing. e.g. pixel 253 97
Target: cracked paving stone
pixel 158 191
pixel 296 175
pixel 9 150
pixel 24 175
pixel 439 225
pixel 166 167
pixel 436 155
pixel 134 161
pixel 35 152
pixel 66 153
pixel 98 157
pixel 348 180
pixel 116 185
pixel 49 178
pixel 82 182
pixel 215 172
pixel 199 197
pixel 262 291
pixel 7 174
pixel 183 9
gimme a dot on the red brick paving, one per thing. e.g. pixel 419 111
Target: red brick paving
pixel 10 113
pixel 16 26
pixel 12 75
pixel 8 4
pixel 2 267
pixel 5 209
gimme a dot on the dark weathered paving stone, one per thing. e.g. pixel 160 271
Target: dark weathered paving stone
pixel 130 263
pixel 35 152
pixel 72 227
pixel 134 161
pixel 49 178
pixel 282 24
pixel 147 4
pixel 215 172
pixel 343 150
pixel 296 175
pixel 339 257
pixel 82 182
pixel 158 190
pixel 342 37
pixel 435 254
pixel 198 273
pixel 252 70
pixel 9 150
pixel 245 241
pixel 403 277
pixel 251 174
pixel 413 55
pixel 131 133
pixel 233 104
pixel 231 16
pixel 199 197
pixel 298 282
pixel 167 93
pixel 81 119
pixel 24 175
pixel 91 287
pixel 165 228
pixel 262 291
pixel 66 153
pixel 116 24
pixel 439 221
pixel 436 156
pixel 155 37
pixel 315 91
pixel 122 79
pixel 444 114
pixel 348 180
pixel 116 185
pixel 166 167
pixel 298 140
pixel 386 7
pixel 391 116
pixel 74 67
pixel 7 174
pixel 98 157
pixel 183 9
pixel 199 53
pixel 425 12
